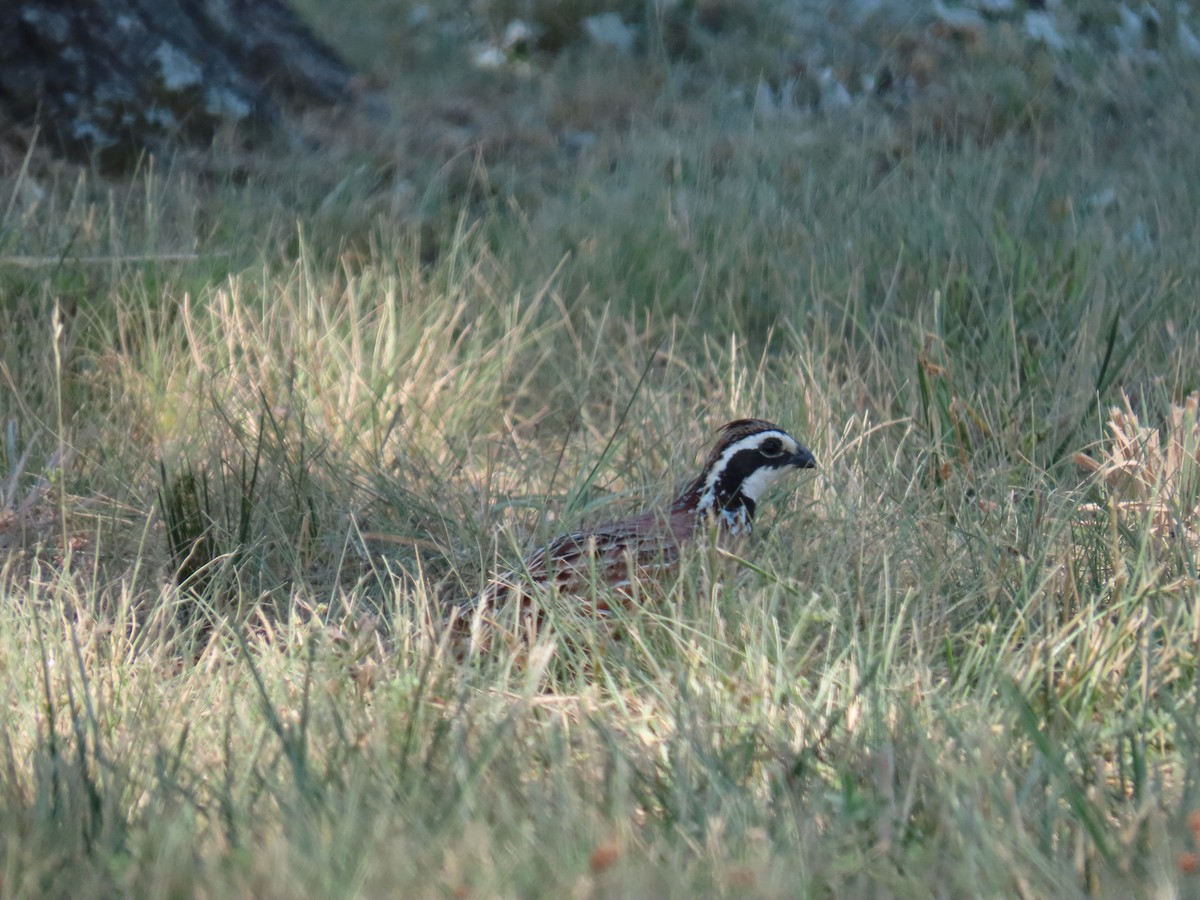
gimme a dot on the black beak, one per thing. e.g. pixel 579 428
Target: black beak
pixel 803 459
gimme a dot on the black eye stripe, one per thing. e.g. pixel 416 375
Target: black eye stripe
pixel 741 466
pixel 771 447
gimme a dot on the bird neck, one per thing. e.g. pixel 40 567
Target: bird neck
pixel 732 511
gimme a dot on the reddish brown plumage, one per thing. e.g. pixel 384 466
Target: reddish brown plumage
pixel 618 558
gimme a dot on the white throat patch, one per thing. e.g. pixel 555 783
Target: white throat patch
pixel 759 481
pixel 736 521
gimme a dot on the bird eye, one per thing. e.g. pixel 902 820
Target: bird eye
pixel 771 447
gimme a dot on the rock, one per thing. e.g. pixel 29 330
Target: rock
pixel 1137 238
pixel 833 93
pixel 517 36
pixel 419 15
pixel 1103 199
pixel 609 30
pixel 575 143
pixel 1039 25
pixel 764 100
pixel 958 22
pixel 108 80
pixel 995 7
pixel 1188 42
pixel 488 56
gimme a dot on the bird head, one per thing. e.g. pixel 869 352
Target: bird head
pixel 750 455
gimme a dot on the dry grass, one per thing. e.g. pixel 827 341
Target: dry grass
pixel 239 485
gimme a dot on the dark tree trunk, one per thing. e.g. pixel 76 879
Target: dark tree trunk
pixel 109 79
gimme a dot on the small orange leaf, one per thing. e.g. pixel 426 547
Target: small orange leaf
pixel 603 857
pixel 742 878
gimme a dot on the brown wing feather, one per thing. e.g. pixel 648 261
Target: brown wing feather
pixel 614 556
